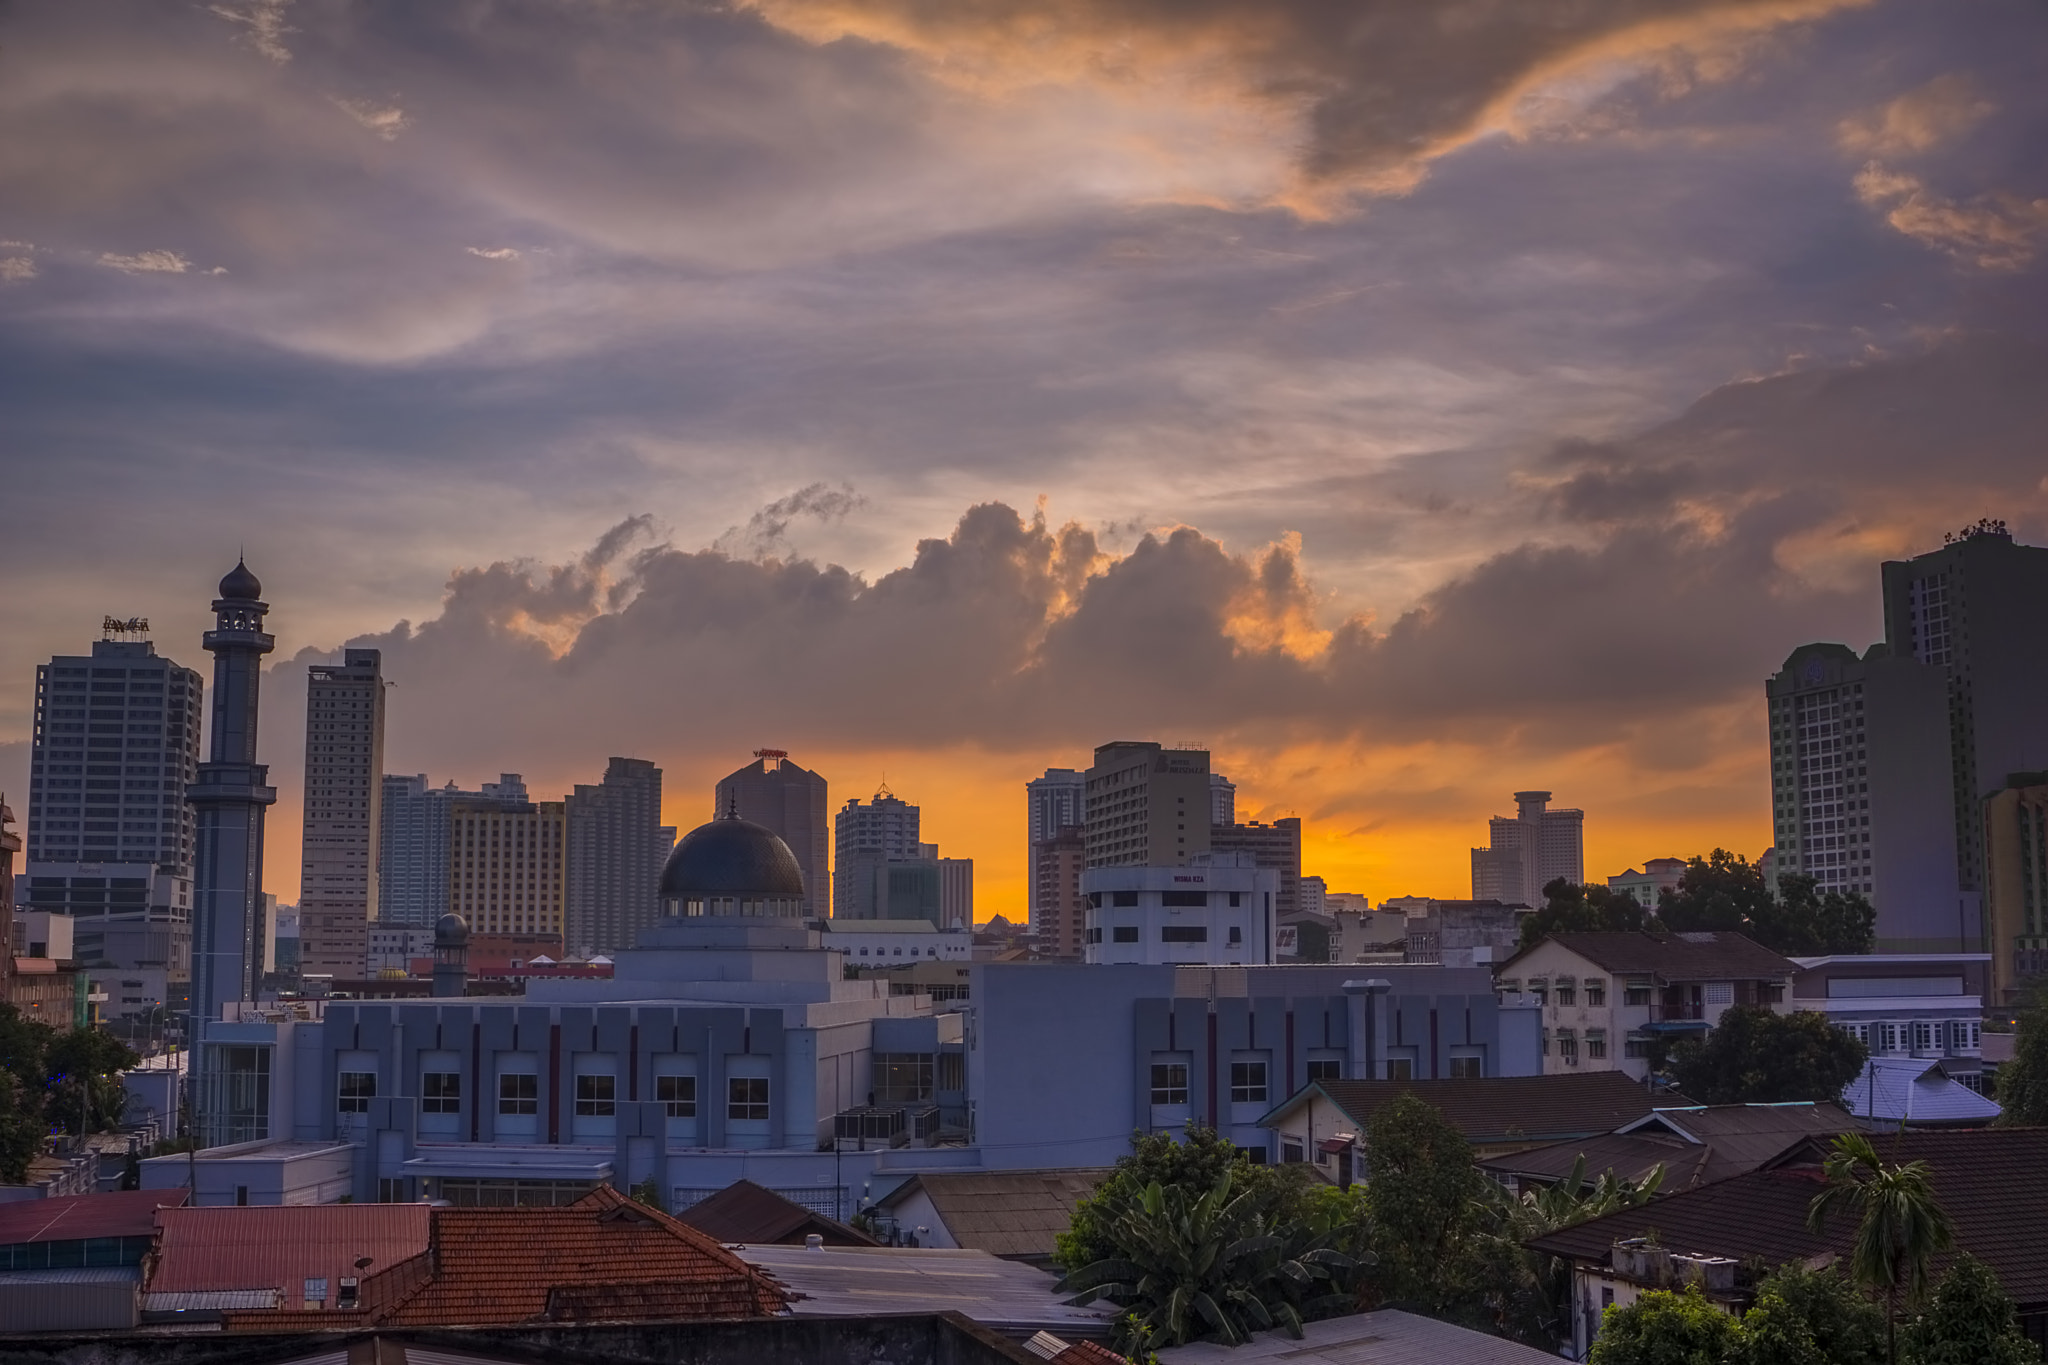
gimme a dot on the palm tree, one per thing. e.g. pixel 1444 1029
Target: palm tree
pixel 1901 1225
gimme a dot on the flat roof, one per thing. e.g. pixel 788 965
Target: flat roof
pixel 1006 1296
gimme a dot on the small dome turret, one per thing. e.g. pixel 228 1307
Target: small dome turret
pixel 451 931
pixel 240 585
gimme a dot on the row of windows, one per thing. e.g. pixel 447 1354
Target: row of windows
pixel 596 1096
pixel 1247 1080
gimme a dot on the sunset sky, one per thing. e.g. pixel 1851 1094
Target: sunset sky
pixel 1412 402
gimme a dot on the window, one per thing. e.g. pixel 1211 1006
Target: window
pixel 1720 993
pixel 1184 899
pixel 1247 1082
pixel 1596 993
pixel 441 1092
pixel 746 1097
pixel 1400 1069
pixel 1325 1069
pixel 1094 936
pixel 1567 992
pixel 1124 933
pixel 1169 1083
pixel 1596 1043
pixel 903 1076
pixel 1184 933
pixel 316 1292
pixel 1236 935
pixel 1636 1044
pixel 1539 987
pixel 1464 1068
pixel 1636 993
pixel 594 1095
pixel 358 1088
pixel 1124 898
pixel 519 1093
pixel 952 1071
pixel 1568 1046
pixel 677 1095
pixel 1290 1150
pixel 1923 1035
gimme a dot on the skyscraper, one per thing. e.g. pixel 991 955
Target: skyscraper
pixel 1061 916
pixel 1148 806
pixel 1529 850
pixel 412 852
pixel 1860 789
pixel 1052 803
pixel 109 833
pixel 779 795
pixel 228 798
pixel 344 801
pixel 505 860
pixel 1222 800
pixel 882 831
pixel 1276 846
pixel 1979 607
pixel 615 853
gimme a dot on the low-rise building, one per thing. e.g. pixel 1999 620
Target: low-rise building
pixel 1215 910
pixel 1693 1145
pixel 878 941
pixel 1646 887
pixel 1904 1092
pixel 1465 933
pixel 1017 1215
pixel 1925 1006
pixel 1607 996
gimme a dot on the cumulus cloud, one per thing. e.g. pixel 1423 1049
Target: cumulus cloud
pixel 1944 108
pixel 1996 231
pixel 15 268
pixel 147 262
pixel 1376 92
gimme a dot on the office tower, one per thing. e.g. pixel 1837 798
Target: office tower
pixel 1528 851
pixel 1312 896
pixel 615 853
pixel 1222 800
pixel 109 834
pixel 1051 803
pixel 1979 607
pixel 2016 882
pixel 1861 794
pixel 779 795
pixel 1062 914
pixel 882 831
pixel 344 801
pixel 1276 846
pixel 1148 806
pixel 229 796
pixel 505 863
pixel 956 891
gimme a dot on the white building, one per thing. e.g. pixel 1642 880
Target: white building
pixel 876 942
pixel 1528 850
pixel 1216 910
pixel 1646 887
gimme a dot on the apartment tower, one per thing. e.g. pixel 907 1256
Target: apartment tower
pixel 2016 881
pixel 1148 806
pixel 615 854
pixel 1052 803
pixel 506 864
pixel 1528 850
pixel 344 804
pixel 1276 846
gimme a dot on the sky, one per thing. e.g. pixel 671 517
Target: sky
pixel 1411 403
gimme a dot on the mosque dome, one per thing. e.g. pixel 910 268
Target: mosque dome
pixel 240 585
pixel 451 931
pixel 732 867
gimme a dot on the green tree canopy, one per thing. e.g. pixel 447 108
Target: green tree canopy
pixel 1726 893
pixel 1569 908
pixel 84 1074
pixel 1758 1056
pixel 2023 1081
pixel 1811 1317
pixel 1900 1225
pixel 1193 1163
pixel 1663 1328
pixel 1970 1320
pixel 1426 1198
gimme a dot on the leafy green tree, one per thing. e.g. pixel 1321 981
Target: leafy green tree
pixel 1663 1328
pixel 1811 1317
pixel 2023 1081
pixel 1900 1225
pixel 1804 922
pixel 1970 1320
pixel 1535 1289
pixel 1569 908
pixel 1212 1265
pixel 1427 1202
pixel 1720 893
pixel 1758 1056
pixel 1726 893
pixel 84 1081
pixel 1195 1163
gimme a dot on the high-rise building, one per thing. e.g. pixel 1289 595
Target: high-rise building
pixel 343 821
pixel 615 853
pixel 2016 884
pixel 882 831
pixel 1978 606
pixel 956 891
pixel 505 864
pixel 1148 806
pixel 790 800
pixel 1061 914
pixel 1860 790
pixel 1276 846
pixel 109 834
pixel 412 852
pixel 1222 800
pixel 1529 850
pixel 1051 803
pixel 229 796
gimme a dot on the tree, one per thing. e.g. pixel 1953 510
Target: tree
pixel 85 1067
pixel 1802 921
pixel 1726 893
pixel 1195 1163
pixel 2023 1081
pixel 1426 1199
pixel 1662 1328
pixel 1900 1224
pixel 1758 1056
pixel 1212 1265
pixel 1970 1320
pixel 1535 1289
pixel 1720 893
pixel 1811 1317
pixel 1569 908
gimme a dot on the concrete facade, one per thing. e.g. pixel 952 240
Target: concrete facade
pixel 506 865
pixel 792 801
pixel 1219 909
pixel 1928 1006
pixel 1276 846
pixel 343 813
pixel 1529 850
pixel 1054 802
pixel 2016 881
pixel 1147 805
pixel 614 859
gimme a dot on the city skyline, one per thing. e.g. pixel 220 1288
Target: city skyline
pixel 1407 423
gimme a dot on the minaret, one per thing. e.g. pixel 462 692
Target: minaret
pixel 228 800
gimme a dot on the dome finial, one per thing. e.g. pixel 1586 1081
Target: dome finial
pixel 241 585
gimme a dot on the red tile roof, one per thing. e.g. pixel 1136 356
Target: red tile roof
pixel 603 1258
pixel 746 1212
pixel 282 1246
pixel 125 1213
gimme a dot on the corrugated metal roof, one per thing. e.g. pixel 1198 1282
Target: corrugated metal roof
pixel 1915 1090
pixel 212 1300
pixel 1005 1213
pixel 1388 1337
pixel 280 1247
pixel 98 1274
pixel 125 1213
pixel 1529 1109
pixel 1007 1296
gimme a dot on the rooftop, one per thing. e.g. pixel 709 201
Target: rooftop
pixel 126 1213
pixel 1005 1213
pixel 1672 957
pixel 1694 1145
pixel 1495 1109
pixel 1918 1091
pixel 1387 1337
pixel 279 1247
pixel 745 1212
pixel 1006 1296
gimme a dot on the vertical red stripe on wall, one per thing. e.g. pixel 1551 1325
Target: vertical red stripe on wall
pixel 554 1082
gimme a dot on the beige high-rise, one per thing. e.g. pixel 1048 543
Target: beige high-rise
pixel 1147 805
pixel 344 814
pixel 505 866
pixel 2016 881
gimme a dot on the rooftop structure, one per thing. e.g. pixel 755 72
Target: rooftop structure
pixel 744 1212
pixel 1913 1093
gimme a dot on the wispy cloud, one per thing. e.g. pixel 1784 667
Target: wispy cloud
pixel 13 268
pixel 1993 231
pixel 494 253
pixel 262 23
pixel 147 262
pixel 387 121
pixel 1944 108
